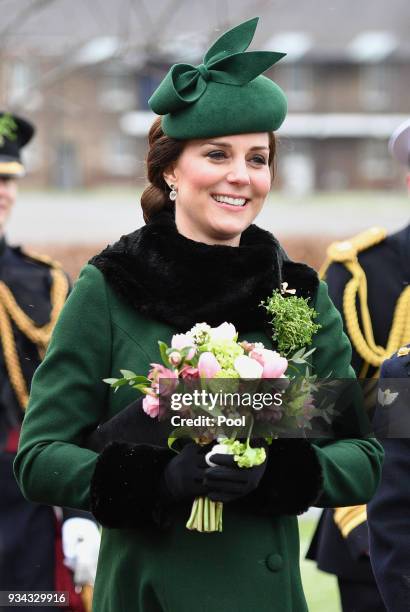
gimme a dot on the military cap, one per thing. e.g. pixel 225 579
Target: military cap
pixel 15 133
pixel 399 144
pixel 225 94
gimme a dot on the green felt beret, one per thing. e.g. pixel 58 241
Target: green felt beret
pixel 224 95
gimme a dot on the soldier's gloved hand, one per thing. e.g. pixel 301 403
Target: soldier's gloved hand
pixel 227 481
pixel 398 365
pixel 81 543
pixel 393 396
pixel 183 477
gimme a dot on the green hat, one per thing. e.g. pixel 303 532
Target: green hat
pixel 224 95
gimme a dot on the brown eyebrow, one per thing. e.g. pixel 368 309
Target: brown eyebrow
pixel 226 144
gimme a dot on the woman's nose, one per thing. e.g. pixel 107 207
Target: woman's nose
pixel 239 174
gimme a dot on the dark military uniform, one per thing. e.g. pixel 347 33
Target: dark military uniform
pixel 368 280
pixel 27 530
pixel 389 510
pixel 33 290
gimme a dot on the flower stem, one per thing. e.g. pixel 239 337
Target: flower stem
pixel 206 516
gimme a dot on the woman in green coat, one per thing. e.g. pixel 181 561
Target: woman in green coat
pixel 198 258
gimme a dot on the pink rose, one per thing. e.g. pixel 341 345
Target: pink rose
pixel 164 377
pixel 208 365
pixel 150 405
pixel 274 366
pixel 189 372
pixel 247 367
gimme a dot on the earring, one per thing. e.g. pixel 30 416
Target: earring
pixel 172 193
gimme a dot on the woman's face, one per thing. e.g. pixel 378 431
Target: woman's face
pixel 8 194
pixel 222 184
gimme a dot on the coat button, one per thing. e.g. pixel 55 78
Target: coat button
pixel 274 562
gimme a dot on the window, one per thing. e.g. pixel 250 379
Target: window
pixel 375 162
pixel 297 169
pixel 118 92
pixel 33 155
pixel 120 156
pixel 147 85
pixel 297 82
pixel 20 80
pixel 375 86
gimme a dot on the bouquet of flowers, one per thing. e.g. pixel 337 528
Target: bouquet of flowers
pixel 205 354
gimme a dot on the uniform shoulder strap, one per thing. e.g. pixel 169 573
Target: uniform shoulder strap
pixel 347 250
pixel 38 257
pixel 355 296
pixel 11 313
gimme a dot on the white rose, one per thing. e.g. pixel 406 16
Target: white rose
pixel 225 331
pixel 247 367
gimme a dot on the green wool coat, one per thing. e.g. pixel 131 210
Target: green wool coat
pixel 254 563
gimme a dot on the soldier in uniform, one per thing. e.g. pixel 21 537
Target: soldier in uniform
pixel 368 278
pixel 33 290
pixel 389 510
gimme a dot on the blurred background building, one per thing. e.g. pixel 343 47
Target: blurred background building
pixel 83 72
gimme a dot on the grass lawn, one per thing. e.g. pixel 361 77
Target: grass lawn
pixel 320 588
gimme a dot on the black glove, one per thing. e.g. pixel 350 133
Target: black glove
pixel 227 481
pixel 183 476
pixel 130 425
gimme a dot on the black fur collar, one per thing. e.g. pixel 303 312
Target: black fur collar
pixel 173 279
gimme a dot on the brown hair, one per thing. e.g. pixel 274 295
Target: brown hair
pixel 162 152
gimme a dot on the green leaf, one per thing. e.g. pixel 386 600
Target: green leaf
pixel 120 383
pixel 110 381
pixel 128 374
pixel 140 387
pixel 171 441
pixel 251 457
pixel 163 352
pixel 139 379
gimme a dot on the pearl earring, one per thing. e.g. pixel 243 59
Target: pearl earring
pixel 172 193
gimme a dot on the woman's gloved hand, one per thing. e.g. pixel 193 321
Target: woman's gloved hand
pixel 227 481
pixel 184 475
pixel 130 425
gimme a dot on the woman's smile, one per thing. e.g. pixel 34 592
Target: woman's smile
pixel 230 201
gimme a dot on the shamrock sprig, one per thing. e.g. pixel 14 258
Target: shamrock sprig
pixel 8 128
pixel 292 320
